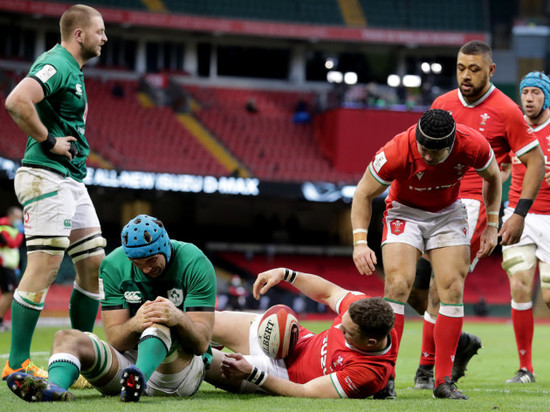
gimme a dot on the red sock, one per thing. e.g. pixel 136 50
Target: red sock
pixel 427 356
pixel 446 334
pixel 523 329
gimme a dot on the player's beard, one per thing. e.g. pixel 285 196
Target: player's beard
pixel 474 92
pixel 88 53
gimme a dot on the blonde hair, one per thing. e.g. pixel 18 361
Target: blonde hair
pixel 75 16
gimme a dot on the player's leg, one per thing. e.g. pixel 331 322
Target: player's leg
pixel 8 283
pixel 519 261
pixel 72 351
pixel 46 207
pixel 28 302
pixel 418 298
pixel 450 267
pixel 399 269
pixel 86 251
pixel 424 374
pixel 231 329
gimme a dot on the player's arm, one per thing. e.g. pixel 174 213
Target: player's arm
pixel 367 190
pixel 505 171
pixel 121 330
pixel 492 194
pixel 236 367
pixel 313 286
pixel 20 105
pixel 513 227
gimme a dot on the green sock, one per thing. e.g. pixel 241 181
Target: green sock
pixel 83 311
pixel 63 373
pixel 23 323
pixel 151 352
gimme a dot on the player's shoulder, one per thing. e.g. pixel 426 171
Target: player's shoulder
pixel 446 99
pixel 116 258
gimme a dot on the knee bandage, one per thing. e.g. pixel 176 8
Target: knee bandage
pixel 31 300
pixel 103 359
pixel 90 245
pixel 518 258
pixel 53 245
pixel 160 332
pixel 544 272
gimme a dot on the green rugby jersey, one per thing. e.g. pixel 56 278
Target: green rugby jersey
pixel 63 111
pixel 188 281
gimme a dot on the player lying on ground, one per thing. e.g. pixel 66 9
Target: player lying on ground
pixel 354 358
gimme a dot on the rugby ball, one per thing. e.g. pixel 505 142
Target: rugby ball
pixel 278 331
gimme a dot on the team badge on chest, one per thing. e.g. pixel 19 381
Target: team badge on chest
pixel 397 226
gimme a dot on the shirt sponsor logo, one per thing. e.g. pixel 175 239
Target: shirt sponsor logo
pixel 379 161
pixel 46 73
pixel 175 296
pixel 397 226
pixel 78 88
pixel 324 355
pixel 132 297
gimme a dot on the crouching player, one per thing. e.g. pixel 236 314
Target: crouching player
pixel 158 299
pixel 352 359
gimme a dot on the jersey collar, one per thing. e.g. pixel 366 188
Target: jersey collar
pixel 370 353
pixel 540 126
pixel 477 102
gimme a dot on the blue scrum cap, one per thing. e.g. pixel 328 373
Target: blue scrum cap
pixel 145 236
pixel 540 80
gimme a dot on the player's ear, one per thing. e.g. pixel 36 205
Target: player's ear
pixel 77 33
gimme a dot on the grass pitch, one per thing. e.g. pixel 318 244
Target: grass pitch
pixel 483 383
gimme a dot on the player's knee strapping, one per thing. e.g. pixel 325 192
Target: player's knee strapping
pixel 53 245
pixel 31 300
pixel 519 258
pixel 544 271
pixel 88 246
pixel 103 359
pixel 160 332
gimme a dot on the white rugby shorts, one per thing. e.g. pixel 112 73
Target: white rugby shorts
pixel 53 205
pixel 426 230
pixel 535 232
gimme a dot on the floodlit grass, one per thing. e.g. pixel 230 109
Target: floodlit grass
pixel 483 383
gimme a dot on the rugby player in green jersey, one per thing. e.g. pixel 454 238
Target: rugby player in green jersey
pixel 50 106
pixel 157 298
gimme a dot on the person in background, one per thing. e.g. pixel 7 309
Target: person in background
pixel 520 259
pixel 11 237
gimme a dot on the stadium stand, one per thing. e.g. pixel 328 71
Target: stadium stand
pixel 338 269
pixel 467 15
pixel 267 142
pixel 134 137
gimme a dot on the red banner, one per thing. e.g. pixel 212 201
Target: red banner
pixel 254 28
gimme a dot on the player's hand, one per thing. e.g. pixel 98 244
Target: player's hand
pixel 512 229
pixel 235 366
pixel 364 259
pixel 161 311
pixel 63 147
pixel 487 242
pixel 266 280
pixel 139 322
